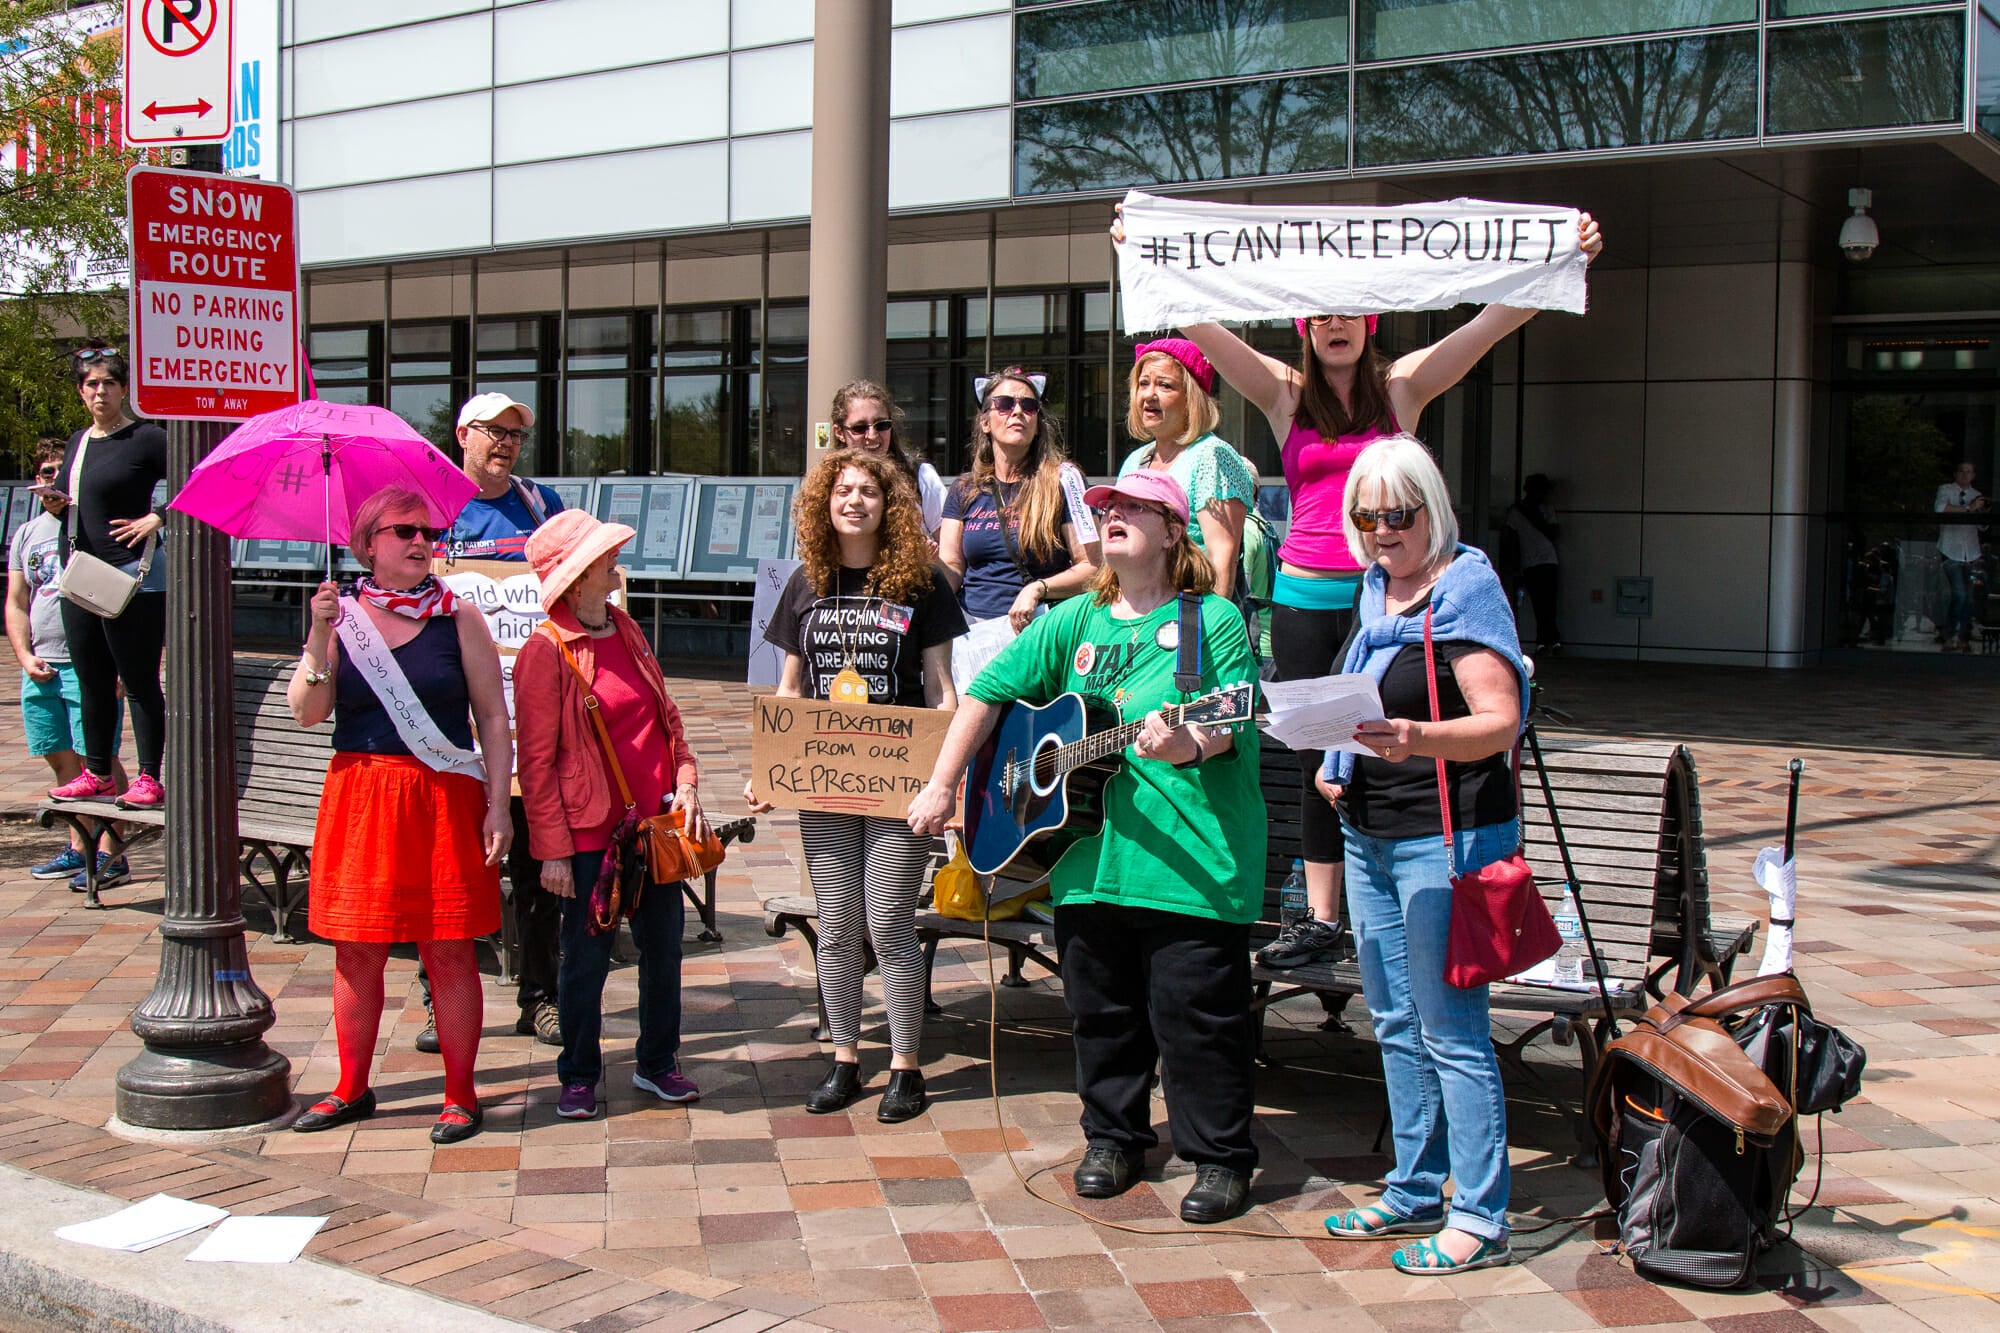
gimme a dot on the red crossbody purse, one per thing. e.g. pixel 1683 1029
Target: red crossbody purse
pixel 1499 924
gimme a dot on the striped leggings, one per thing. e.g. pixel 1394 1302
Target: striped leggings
pixel 866 873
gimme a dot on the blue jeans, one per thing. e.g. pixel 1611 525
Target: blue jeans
pixel 1446 1103
pixel 586 961
pixel 1958 578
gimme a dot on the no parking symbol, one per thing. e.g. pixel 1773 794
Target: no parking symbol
pixel 178 58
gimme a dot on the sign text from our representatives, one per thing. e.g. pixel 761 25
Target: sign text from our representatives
pixel 851 759
pixel 215 280
pixel 1184 261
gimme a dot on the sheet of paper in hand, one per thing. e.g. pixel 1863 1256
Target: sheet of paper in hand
pixel 1184 261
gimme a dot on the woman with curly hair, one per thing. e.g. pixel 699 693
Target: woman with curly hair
pixel 1016 532
pixel 865 417
pixel 867 619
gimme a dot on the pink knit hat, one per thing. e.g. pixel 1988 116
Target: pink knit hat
pixel 1183 351
pixel 1373 320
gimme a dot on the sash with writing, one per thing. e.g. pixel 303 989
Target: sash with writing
pixel 384 674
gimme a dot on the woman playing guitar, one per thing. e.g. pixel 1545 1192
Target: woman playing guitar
pixel 1152 912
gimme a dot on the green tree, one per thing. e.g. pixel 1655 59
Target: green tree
pixel 62 209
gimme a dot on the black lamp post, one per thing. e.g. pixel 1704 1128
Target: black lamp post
pixel 205 1065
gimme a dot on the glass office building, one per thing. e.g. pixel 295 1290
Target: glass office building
pixel 600 207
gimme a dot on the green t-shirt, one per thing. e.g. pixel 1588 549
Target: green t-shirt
pixel 1188 840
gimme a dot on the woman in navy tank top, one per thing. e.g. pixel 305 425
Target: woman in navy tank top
pixel 1341 396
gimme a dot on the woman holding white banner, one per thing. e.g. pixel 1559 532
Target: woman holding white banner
pixel 867 619
pixel 1016 533
pixel 1341 396
pixel 413 823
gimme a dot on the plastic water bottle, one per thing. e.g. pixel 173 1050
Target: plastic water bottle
pixel 1569 924
pixel 1292 905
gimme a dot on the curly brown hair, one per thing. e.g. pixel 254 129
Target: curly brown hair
pixel 901 570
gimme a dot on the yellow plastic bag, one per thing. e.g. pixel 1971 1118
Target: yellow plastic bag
pixel 955 893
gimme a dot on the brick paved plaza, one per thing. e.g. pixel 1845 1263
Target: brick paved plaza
pixel 744 1213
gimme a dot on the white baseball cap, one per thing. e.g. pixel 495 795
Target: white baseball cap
pixel 487 406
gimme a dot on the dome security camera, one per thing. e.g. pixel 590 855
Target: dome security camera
pixel 1858 234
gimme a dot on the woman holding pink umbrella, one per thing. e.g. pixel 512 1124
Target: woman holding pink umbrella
pixel 413 823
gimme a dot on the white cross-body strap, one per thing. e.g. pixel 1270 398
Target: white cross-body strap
pixel 384 674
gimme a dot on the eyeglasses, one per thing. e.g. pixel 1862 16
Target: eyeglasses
pixel 1395 520
pixel 89 354
pixel 49 473
pixel 411 531
pixel 869 428
pixel 1126 507
pixel 1003 404
pixel 500 434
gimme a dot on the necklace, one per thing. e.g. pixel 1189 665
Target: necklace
pixel 597 627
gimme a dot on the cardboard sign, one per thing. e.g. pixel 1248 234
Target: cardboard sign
pixel 849 759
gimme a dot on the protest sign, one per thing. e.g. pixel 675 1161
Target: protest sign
pixel 767 660
pixel 850 759
pixel 1185 261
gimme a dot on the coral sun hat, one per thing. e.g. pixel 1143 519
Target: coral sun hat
pixel 565 546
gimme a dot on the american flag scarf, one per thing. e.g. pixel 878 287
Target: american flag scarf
pixel 427 599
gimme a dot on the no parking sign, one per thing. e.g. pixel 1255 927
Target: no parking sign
pixel 177 67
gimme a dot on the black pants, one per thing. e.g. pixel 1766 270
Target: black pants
pixel 1305 644
pixel 1143 987
pixel 105 652
pixel 537 921
pixel 1539 582
pixel 537 917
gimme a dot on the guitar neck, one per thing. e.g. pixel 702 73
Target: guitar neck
pixel 1103 744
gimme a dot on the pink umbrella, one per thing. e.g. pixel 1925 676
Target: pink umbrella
pixel 301 472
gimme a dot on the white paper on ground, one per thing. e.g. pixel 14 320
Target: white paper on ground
pixel 257 1240
pixel 150 1222
pixel 1322 713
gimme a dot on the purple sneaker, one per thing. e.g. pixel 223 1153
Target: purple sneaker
pixel 578 1102
pixel 671 1086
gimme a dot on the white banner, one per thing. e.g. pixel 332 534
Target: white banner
pixel 1186 261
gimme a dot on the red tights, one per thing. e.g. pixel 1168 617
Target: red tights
pixel 456 999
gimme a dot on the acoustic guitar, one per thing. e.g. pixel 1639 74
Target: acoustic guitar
pixel 1037 786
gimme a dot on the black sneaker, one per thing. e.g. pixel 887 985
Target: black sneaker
pixel 1302 943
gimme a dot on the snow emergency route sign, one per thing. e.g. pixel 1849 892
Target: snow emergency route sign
pixel 178 64
pixel 215 283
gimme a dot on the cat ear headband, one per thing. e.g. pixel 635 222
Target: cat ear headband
pixel 979 383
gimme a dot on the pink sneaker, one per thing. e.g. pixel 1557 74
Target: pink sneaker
pixel 85 786
pixel 145 793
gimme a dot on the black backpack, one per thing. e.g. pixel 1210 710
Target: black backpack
pixel 1698 1138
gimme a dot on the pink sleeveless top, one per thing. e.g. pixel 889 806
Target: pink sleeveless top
pixel 1316 471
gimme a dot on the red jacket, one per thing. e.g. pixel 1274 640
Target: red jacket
pixel 565 784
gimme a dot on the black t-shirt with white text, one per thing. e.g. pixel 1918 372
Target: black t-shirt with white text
pixel 882 640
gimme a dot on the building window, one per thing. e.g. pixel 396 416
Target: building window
pixel 1271 128
pixel 1408 29
pixel 1850 76
pixel 346 363
pixel 1111 45
pixel 608 401
pixel 516 356
pixel 427 378
pixel 1674 91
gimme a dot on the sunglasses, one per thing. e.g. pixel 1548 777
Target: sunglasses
pixel 869 428
pixel 411 531
pixel 89 354
pixel 500 434
pixel 1003 404
pixel 1395 520
pixel 49 473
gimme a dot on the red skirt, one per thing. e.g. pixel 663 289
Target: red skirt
pixel 397 856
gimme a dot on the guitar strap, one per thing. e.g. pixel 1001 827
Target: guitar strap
pixel 1187 667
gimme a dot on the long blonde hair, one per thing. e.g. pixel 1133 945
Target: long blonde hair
pixel 1040 504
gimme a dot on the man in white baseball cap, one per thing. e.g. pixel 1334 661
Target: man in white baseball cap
pixel 495 525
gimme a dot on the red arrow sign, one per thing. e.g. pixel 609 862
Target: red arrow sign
pixel 154 110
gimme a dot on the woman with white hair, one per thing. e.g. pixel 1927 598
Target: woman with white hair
pixel 1446 738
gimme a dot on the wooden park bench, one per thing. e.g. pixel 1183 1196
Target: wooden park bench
pixel 1631 811
pixel 280 771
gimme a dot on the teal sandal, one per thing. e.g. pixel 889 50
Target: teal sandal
pixel 1375 1222
pixel 1425 1259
